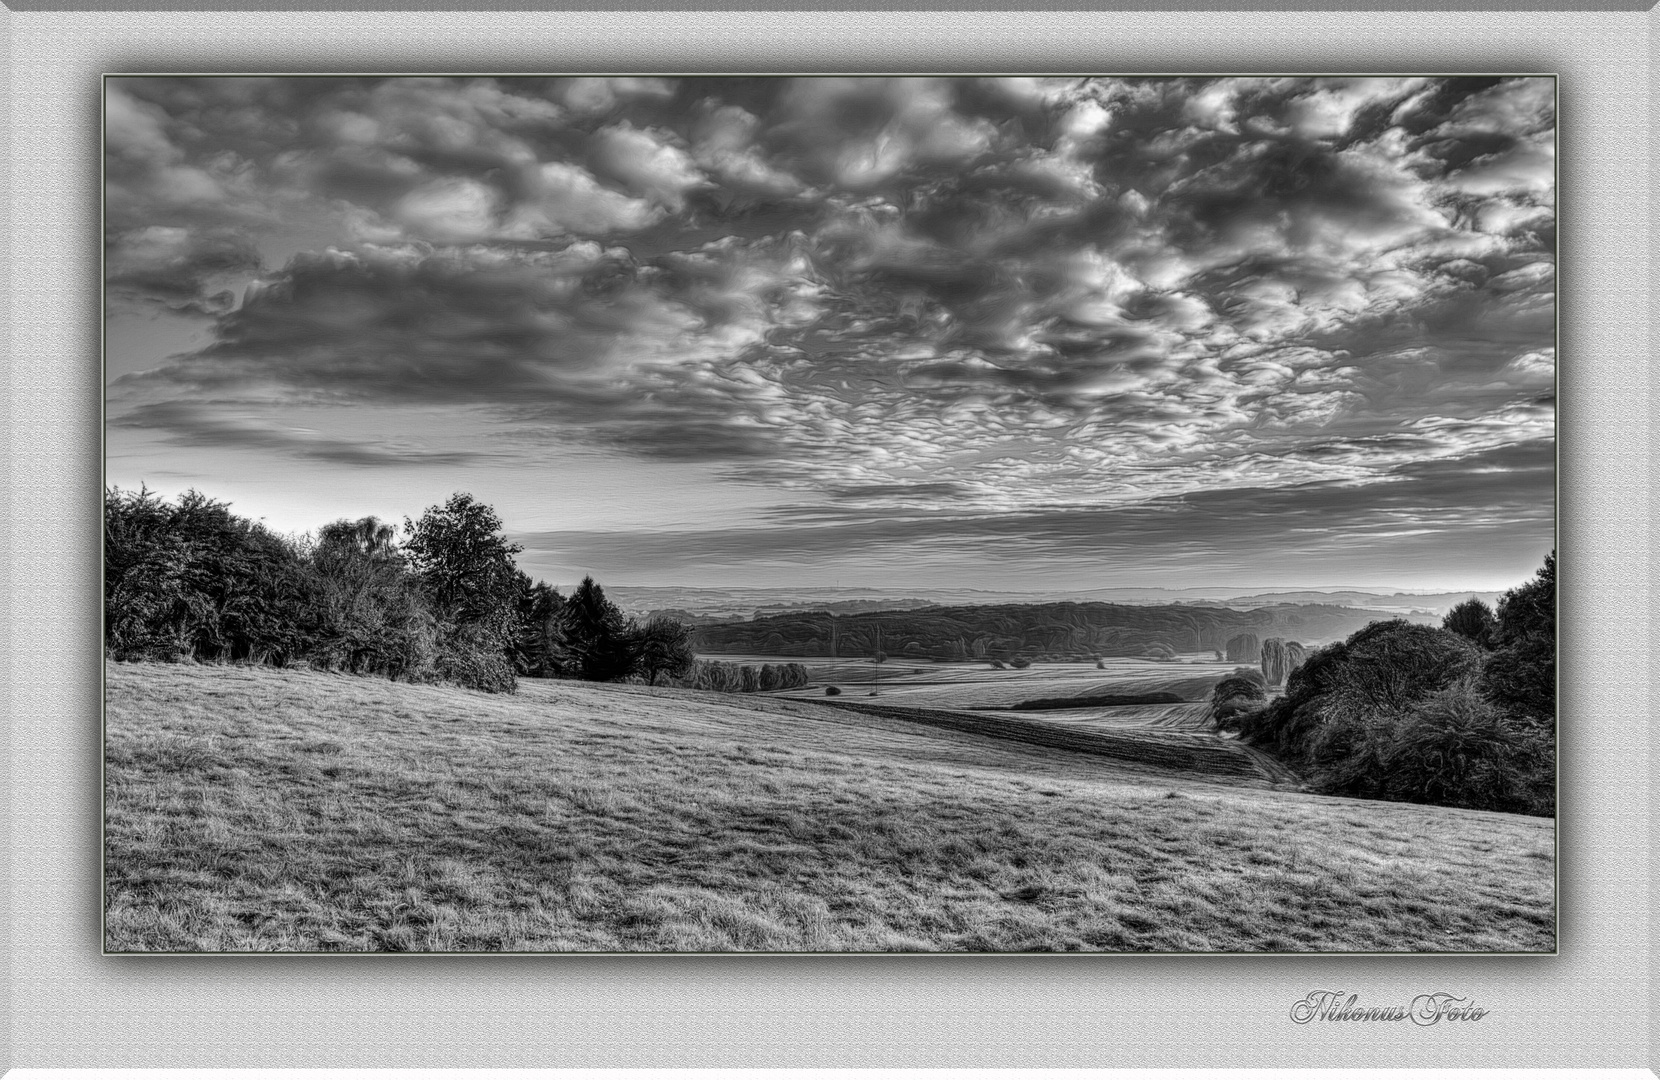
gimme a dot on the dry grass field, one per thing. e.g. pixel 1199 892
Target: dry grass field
pixel 257 809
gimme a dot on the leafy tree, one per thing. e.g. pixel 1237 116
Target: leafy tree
pixel 1530 608
pixel 465 566
pixel 1274 661
pixel 664 647
pixel 1520 675
pixel 464 562
pixel 1472 619
pixel 599 642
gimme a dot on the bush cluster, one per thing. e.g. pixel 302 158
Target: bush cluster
pixel 1236 694
pixel 1461 715
pixel 192 581
pixel 742 678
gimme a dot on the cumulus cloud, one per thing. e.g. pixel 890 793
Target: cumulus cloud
pixel 929 296
pixel 647 163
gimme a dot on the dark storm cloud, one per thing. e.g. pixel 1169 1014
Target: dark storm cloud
pixel 201 427
pixel 936 295
pixel 184 270
pixel 584 340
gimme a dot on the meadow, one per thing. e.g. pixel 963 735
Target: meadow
pixel 252 808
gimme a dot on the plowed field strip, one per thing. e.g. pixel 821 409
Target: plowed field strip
pixel 1180 751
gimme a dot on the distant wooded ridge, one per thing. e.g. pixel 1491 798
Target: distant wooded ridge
pixel 1057 630
pixel 708 605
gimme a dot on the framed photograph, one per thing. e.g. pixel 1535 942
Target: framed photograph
pixel 862 513
pixel 608 562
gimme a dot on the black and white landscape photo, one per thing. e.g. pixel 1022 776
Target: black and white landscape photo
pixel 772 514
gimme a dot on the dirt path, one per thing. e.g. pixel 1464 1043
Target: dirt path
pixel 1203 753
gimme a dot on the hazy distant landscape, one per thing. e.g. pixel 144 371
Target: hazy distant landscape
pixel 843 514
pixel 726 605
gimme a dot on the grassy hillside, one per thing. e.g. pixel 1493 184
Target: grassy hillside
pixel 253 808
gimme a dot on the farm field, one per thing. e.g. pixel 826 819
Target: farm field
pixel 978 685
pixel 257 809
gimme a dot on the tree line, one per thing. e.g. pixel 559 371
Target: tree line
pixel 1049 631
pixel 443 602
pixel 1463 714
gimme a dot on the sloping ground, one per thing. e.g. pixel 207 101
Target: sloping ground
pixel 1188 716
pixel 1200 755
pixel 253 809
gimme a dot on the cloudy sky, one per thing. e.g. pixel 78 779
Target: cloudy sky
pixel 993 333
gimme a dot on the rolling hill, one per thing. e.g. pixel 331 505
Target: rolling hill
pixel 260 809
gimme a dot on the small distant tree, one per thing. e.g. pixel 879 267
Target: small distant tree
pixel 368 536
pixel 1244 648
pixel 1472 619
pixel 1274 667
pixel 664 647
pixel 1236 694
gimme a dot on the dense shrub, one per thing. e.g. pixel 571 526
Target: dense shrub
pixel 1471 619
pixel 1397 711
pixel 472 656
pixel 832 691
pixel 193 581
pixel 1234 695
pixel 368 611
pixel 1456 748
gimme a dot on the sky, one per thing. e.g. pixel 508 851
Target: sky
pixel 999 333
